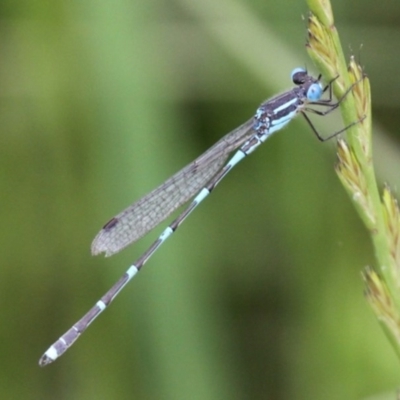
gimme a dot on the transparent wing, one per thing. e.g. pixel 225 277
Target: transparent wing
pixel 146 213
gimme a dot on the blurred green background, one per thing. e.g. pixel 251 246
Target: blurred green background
pixel 259 294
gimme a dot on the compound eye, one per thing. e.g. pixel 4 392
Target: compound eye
pixel 298 76
pixel 314 92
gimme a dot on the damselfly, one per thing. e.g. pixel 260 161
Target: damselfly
pixel 202 176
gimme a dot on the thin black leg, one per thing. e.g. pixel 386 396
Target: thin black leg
pixel 331 108
pixel 322 139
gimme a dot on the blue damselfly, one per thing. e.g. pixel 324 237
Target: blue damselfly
pixel 201 177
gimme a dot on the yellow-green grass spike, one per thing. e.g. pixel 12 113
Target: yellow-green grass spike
pixel 355 167
pixel 380 299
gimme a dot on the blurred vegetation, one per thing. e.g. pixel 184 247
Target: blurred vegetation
pixel 259 294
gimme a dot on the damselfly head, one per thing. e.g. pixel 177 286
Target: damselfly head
pixel 313 88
